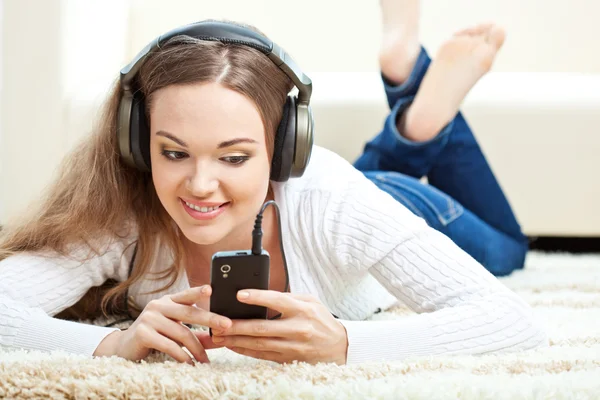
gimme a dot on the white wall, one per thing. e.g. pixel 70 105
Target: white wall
pixel 31 143
pixel 50 51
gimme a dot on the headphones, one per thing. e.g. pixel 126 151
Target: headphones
pixel 294 136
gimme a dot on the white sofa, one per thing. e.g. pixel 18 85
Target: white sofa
pixel 538 130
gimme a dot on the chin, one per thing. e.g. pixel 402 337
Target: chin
pixel 203 237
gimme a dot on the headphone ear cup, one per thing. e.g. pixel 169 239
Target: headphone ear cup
pixel 285 143
pixel 304 139
pixel 140 134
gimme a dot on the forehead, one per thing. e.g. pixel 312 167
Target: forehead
pixel 206 110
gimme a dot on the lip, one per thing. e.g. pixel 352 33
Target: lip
pixel 200 216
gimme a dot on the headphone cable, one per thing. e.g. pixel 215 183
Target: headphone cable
pixel 257 241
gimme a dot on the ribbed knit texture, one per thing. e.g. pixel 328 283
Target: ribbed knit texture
pixel 34 287
pixel 347 242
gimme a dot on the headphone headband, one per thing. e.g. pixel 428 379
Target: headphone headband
pixel 225 33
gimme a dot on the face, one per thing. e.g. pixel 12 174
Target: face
pixel 209 159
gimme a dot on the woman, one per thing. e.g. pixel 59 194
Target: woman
pixel 213 111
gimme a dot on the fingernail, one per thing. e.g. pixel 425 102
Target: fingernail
pixel 243 295
pixel 190 362
pixel 223 324
pixel 204 289
pixel 217 339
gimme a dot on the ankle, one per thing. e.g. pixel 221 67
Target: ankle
pixel 397 58
pixel 421 123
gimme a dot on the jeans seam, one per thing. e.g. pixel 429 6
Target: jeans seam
pixel 414 209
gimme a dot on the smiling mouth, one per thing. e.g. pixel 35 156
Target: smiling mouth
pixel 204 209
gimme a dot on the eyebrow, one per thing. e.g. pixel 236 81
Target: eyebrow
pixel 227 143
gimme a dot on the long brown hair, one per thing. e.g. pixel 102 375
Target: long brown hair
pixel 96 193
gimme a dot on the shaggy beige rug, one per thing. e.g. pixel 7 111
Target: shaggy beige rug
pixel 563 289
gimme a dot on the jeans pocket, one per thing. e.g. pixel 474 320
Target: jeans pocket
pixel 422 199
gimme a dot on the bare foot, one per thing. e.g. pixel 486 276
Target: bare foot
pixel 400 40
pixel 459 64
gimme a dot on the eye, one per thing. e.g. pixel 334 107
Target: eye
pixel 173 155
pixel 235 160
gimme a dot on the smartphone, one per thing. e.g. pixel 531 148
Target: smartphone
pixel 232 271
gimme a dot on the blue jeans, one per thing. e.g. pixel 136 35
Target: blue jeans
pixel 463 200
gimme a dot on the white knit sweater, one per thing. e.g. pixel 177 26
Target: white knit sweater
pixel 347 242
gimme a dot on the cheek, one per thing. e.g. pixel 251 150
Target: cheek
pixel 165 181
pixel 250 186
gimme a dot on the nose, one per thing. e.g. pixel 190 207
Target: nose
pixel 202 182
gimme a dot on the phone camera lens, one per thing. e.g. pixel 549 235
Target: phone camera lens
pixel 225 268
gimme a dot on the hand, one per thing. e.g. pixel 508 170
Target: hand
pixel 305 332
pixel 160 326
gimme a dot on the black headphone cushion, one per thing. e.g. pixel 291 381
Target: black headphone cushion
pixel 140 133
pixel 285 142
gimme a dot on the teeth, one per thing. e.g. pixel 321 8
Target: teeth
pixel 201 209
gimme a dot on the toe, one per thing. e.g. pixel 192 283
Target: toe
pixel 496 36
pixel 464 32
pixel 477 30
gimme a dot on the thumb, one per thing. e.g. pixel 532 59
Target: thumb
pixel 206 341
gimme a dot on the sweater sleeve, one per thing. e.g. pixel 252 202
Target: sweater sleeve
pixel 36 286
pixel 462 308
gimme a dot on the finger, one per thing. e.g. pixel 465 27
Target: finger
pixel 192 315
pixel 255 343
pixel 261 327
pixel 165 345
pixel 184 336
pixel 192 295
pixel 263 355
pixel 206 341
pixel 282 302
